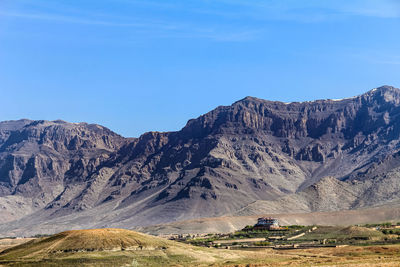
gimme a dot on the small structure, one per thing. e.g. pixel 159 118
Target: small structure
pixel 268 223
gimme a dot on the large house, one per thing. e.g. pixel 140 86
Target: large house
pixel 269 223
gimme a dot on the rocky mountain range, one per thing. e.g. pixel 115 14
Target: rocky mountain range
pixel 253 157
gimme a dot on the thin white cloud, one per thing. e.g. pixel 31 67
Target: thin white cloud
pixel 218 25
pixel 72 19
pixel 157 29
pixel 311 10
pixel 218 35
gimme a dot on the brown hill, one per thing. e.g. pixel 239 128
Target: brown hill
pixel 111 247
pixel 87 240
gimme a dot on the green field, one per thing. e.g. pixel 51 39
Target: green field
pixel 302 236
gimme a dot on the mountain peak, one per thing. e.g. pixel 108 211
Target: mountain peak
pixel 387 88
pixel 250 98
pixel 382 89
pixel 386 93
pixel 379 91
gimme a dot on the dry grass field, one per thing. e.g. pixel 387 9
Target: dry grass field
pixel 345 256
pixel 118 247
pixel 341 256
pixel 11 242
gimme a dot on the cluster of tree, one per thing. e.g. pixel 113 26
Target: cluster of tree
pixel 383 225
pixel 391 231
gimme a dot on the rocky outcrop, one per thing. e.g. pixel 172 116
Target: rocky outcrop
pixel 39 159
pixel 225 161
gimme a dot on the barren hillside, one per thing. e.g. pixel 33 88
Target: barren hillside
pixel 253 157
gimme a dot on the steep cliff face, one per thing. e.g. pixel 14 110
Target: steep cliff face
pixel 263 150
pixel 295 120
pixel 38 159
pixel 254 156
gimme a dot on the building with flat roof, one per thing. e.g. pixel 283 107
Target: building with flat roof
pixel 269 223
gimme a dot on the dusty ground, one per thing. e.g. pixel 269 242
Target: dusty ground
pixel 10 242
pixel 345 256
pixel 232 223
pixel 180 256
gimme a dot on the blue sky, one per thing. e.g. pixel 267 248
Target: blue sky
pixel 137 66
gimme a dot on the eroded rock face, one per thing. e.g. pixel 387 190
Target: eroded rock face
pixel 218 164
pixel 38 159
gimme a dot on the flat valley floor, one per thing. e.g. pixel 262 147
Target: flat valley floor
pixel 377 255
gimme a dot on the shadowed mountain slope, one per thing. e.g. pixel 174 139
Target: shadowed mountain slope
pixel 255 156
